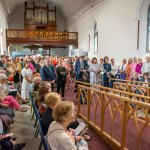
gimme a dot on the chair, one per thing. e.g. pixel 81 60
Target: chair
pixel 32 111
pixel 44 141
pixel 37 115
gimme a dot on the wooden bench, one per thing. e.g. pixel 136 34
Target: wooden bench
pixel 103 107
pixel 136 89
pixel 116 91
pixel 129 81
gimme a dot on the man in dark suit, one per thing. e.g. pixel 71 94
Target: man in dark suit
pixel 81 66
pixel 48 73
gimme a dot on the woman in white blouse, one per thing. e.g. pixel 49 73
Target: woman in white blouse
pixel 94 69
pixel 27 81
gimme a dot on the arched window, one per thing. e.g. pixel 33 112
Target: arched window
pixel 148 31
pixel 95 46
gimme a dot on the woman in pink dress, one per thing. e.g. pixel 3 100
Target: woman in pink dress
pixel 133 66
pixel 139 66
pixel 8 101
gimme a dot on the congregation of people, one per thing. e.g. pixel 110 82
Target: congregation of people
pixel 49 77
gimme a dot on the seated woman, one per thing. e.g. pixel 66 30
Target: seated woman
pixel 51 100
pixel 36 85
pixel 12 92
pixel 9 101
pixel 45 88
pixel 58 136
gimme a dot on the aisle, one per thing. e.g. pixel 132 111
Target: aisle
pixel 24 131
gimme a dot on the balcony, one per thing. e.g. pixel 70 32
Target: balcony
pixel 53 38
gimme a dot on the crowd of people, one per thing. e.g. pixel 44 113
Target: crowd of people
pixel 41 75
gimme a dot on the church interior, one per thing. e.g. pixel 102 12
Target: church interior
pixel 74 74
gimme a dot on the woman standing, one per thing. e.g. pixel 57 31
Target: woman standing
pixel 139 66
pixel 61 78
pixel 114 70
pixel 94 69
pixel 122 69
pixel 27 81
pixel 68 77
pixel 106 69
pixel 128 69
pixel 133 65
pixel 17 75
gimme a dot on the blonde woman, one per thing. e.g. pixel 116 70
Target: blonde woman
pixel 58 136
pixel 51 99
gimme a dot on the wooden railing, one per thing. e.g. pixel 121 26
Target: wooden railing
pixel 40 35
pixel 129 81
pixel 51 38
pixel 117 92
pixel 137 89
pixel 114 117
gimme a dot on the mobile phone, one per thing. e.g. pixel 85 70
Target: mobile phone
pixel 80 128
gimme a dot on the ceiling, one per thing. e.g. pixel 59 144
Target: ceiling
pixel 69 8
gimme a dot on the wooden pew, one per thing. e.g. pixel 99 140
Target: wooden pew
pixel 129 81
pixel 115 91
pixel 101 103
pixel 145 91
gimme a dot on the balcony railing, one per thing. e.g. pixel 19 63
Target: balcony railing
pixel 41 35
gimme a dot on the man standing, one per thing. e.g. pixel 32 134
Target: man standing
pixel 48 73
pixel 61 78
pixel 80 67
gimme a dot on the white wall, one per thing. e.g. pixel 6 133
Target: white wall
pixel 142 16
pixel 17 20
pixel 117 29
pixel 3 27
